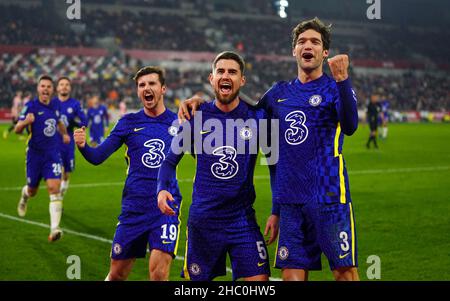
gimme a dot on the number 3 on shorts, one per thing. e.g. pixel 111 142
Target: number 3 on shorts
pixel 344 245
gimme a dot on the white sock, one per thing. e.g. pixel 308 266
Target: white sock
pixel 64 186
pixel 25 194
pixel 55 208
pixel 385 131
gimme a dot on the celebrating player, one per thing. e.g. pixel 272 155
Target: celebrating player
pixel 98 121
pixel 147 135
pixel 221 218
pixel 43 119
pixel 72 115
pixel 312 188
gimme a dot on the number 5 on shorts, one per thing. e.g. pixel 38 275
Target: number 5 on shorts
pixel 261 249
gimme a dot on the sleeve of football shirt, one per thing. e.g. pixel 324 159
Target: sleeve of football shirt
pixel 271 165
pixel 265 102
pixel 112 143
pixel 346 107
pixel 273 187
pixel 168 170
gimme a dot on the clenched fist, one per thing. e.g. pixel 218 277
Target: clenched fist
pixel 79 136
pixel 29 119
pixel 339 67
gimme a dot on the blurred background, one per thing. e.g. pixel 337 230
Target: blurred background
pixel 402 57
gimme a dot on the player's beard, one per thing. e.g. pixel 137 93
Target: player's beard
pixel 226 100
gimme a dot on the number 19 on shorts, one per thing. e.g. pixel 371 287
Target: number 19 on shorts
pixel 170 234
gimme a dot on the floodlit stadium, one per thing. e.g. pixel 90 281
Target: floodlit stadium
pixel 399 189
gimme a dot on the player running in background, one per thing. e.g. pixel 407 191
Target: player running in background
pixel 384 105
pixel 147 135
pixel 43 160
pixel 312 188
pixel 373 111
pixel 221 217
pixel 16 107
pixel 98 121
pixel 26 97
pixel 73 116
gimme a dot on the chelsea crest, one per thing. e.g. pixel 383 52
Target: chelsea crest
pixel 315 100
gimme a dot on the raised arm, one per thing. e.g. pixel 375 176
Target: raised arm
pixel 98 154
pixel 23 123
pixel 187 105
pixel 346 104
pixel 26 118
pixel 102 152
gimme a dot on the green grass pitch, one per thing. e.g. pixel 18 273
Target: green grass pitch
pixel 401 200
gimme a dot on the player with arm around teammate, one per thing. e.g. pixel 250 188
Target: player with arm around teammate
pixel 315 111
pixel 221 217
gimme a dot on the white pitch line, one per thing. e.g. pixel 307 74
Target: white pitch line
pixel 85 185
pixel 398 170
pixel 42 225
pixel 259 177
pixel 85 235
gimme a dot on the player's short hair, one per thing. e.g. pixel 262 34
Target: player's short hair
pixel 230 55
pixel 149 70
pixel 45 77
pixel 63 78
pixel 314 24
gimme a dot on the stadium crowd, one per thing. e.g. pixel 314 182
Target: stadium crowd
pixel 156 30
pixel 162 31
pixel 109 77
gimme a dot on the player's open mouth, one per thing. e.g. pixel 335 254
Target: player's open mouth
pixel 225 88
pixel 307 56
pixel 148 97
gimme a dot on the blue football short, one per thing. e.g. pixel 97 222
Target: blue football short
pixel 68 157
pixel 207 248
pixel 308 230
pixel 135 231
pixel 42 164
